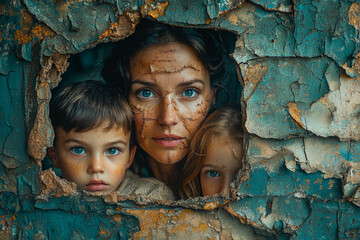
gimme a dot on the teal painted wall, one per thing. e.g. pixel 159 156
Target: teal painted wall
pixel 300 72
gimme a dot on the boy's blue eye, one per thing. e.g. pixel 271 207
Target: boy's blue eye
pixel 112 151
pixel 145 93
pixel 78 150
pixel 212 174
pixel 189 92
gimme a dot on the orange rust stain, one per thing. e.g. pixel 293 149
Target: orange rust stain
pixel 123 27
pixel 149 220
pixel 254 75
pixel 39 32
pixel 108 32
pixel 188 221
pixel 22 37
pixel 242 219
pixel 354 15
pixel 153 8
pixel 105 234
pixel 234 19
pixel 211 205
pixel 117 218
pixel 169 222
pixel 318 181
pixel 295 114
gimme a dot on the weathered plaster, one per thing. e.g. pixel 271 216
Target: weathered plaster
pixel 300 64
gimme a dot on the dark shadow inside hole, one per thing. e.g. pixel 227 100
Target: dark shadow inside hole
pixel 89 64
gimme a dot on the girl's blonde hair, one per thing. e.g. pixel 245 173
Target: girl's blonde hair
pixel 226 121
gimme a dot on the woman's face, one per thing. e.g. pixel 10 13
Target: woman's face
pixel 170 97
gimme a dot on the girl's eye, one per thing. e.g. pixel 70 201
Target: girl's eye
pixel 78 150
pixel 190 93
pixel 212 173
pixel 145 93
pixel 112 151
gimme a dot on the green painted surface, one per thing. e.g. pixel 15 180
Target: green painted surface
pixel 301 104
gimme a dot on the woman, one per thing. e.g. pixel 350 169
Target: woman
pixel 169 75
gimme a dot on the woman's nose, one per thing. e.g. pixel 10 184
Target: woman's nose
pixel 96 164
pixel 168 113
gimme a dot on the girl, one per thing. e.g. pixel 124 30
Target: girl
pixel 215 154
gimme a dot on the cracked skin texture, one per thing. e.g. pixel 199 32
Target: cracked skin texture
pixel 165 72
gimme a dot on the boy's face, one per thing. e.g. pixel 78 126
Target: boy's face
pixel 95 160
pixel 220 166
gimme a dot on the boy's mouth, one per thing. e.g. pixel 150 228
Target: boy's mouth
pixel 96 185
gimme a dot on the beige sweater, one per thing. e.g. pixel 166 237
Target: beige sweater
pixel 133 185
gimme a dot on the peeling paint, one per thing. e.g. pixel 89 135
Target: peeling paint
pixel 53 186
pixel 354 15
pixel 295 114
pixel 300 63
pixel 41 134
pixel 122 28
pixel 154 8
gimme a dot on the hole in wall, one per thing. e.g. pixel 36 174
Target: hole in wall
pixel 89 64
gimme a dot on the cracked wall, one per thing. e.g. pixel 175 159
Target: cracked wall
pixel 300 66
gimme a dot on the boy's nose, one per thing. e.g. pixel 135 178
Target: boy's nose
pixel 96 164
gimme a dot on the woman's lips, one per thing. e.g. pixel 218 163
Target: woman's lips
pixel 96 185
pixel 168 140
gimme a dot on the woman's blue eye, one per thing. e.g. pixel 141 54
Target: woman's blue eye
pixel 189 92
pixel 145 93
pixel 78 150
pixel 212 173
pixel 112 151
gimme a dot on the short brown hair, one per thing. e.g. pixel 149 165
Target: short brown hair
pixel 82 106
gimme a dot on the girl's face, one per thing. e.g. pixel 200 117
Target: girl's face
pixel 170 96
pixel 220 165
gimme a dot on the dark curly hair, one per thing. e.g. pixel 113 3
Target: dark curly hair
pixel 205 43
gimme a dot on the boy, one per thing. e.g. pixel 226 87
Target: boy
pixel 93 143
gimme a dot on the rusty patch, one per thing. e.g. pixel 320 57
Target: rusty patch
pixel 154 8
pixel 22 38
pixel 29 32
pixel 166 223
pixel 52 68
pixel 211 205
pixel 240 16
pixel 123 27
pixel 354 15
pixel 253 77
pixel 54 186
pixel 242 219
pixel 295 114
pixel 40 134
pixel 39 32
